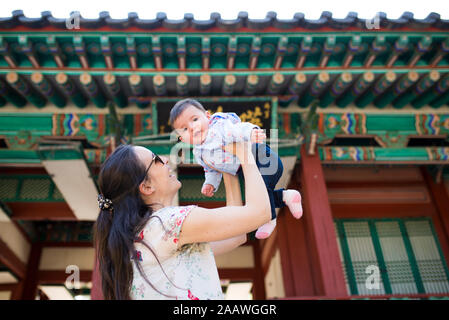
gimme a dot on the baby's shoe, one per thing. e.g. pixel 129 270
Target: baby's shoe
pixel 292 199
pixel 265 230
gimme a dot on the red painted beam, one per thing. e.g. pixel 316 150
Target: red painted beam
pixel 236 274
pixel 328 271
pixel 60 276
pixel 440 219
pixel 41 211
pixel 259 292
pixel 244 30
pixel 381 210
pixel 31 278
pixel 8 286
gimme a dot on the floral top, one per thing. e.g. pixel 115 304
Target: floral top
pixel 190 270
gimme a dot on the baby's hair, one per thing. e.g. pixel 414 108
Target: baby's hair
pixel 180 106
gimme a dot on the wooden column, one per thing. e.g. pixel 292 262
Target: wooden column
pixel 31 277
pixel 294 250
pixel 259 292
pixel 327 272
pixel 96 291
pixel 440 198
pixel 17 292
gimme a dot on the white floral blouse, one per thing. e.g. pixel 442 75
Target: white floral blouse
pixel 188 272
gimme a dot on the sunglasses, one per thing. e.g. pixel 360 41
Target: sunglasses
pixel 156 158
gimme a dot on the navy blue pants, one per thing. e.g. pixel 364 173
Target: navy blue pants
pixel 271 169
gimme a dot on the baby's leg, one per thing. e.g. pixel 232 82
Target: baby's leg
pixel 280 197
pixel 265 230
pixel 292 199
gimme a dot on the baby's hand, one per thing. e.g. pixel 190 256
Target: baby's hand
pixel 258 136
pixel 208 190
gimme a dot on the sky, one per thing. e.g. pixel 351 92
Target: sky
pixel 228 9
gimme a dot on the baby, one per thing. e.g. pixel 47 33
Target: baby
pixel 208 133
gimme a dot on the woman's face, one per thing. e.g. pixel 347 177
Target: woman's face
pixel 161 177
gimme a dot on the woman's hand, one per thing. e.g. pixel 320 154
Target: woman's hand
pixel 242 150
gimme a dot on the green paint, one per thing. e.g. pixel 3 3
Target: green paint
pixel 347 257
pixel 380 257
pixel 154 116
pixel 411 257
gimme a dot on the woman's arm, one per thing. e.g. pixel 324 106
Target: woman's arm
pixel 233 198
pixel 207 225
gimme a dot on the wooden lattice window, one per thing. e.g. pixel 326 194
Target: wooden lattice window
pixel 405 252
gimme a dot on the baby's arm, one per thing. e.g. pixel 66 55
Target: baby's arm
pixel 212 182
pixel 235 131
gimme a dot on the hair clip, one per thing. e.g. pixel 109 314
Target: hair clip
pixel 104 203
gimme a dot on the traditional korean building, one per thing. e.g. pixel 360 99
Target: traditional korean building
pixel 356 108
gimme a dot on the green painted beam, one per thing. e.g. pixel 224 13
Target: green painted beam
pixel 235 72
pixel 360 85
pixel 19 156
pixel 114 89
pixel 432 94
pixel 386 155
pixel 8 94
pixel 138 90
pixel 424 84
pixel 314 90
pixel 48 90
pixel 15 80
pixel 29 188
pixel 381 85
pixel 337 88
pixel 71 90
pixel 60 153
pixel 93 90
pixel 441 100
pixel 398 89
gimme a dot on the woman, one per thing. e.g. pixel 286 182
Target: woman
pixel 149 249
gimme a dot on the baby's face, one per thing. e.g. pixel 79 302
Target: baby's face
pixel 192 125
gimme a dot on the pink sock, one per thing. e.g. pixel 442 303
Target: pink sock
pixel 265 230
pixel 292 199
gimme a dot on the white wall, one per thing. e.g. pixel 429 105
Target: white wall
pixel 242 257
pixel 5 295
pixel 15 240
pixel 60 258
pixel 274 282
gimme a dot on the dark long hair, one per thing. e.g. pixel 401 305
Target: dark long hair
pixel 116 232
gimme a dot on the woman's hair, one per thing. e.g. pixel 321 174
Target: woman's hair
pixel 116 231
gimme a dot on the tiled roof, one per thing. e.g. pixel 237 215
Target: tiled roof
pixel 433 20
